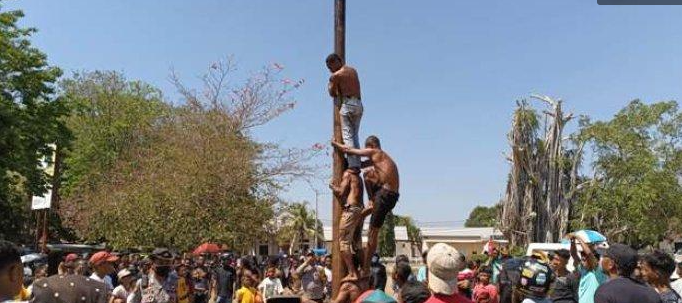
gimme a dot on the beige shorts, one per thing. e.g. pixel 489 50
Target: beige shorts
pixel 350 219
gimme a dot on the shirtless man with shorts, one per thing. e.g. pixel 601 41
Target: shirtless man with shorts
pixel 383 184
pixel 349 193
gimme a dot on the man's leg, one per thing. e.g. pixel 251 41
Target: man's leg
pixel 347 228
pixel 350 123
pixel 370 180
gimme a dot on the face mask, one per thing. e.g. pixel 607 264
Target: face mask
pixel 162 270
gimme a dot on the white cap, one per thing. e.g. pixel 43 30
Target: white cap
pixel 443 263
pixel 124 273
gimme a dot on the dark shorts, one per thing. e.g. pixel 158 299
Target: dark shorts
pixel 384 202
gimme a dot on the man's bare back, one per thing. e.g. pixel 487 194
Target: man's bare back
pixel 345 81
pixel 350 189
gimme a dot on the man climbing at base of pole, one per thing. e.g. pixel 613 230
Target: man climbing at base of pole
pixel 383 184
pixel 344 87
pixel 350 193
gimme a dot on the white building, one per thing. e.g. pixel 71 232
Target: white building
pixel 465 240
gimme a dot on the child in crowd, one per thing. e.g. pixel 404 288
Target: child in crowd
pixel 247 293
pixel 484 291
pixel 271 285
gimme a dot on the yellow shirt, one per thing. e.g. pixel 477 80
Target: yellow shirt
pixel 183 291
pixel 246 295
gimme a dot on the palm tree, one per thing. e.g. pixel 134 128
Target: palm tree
pixel 299 223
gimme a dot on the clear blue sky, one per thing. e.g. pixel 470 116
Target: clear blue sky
pixel 439 77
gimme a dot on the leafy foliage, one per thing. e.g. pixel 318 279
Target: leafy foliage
pixel 143 172
pixel 297 223
pixel 482 216
pixel 635 190
pixel 29 122
pixel 386 243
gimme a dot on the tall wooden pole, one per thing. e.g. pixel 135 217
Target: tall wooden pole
pixel 338 267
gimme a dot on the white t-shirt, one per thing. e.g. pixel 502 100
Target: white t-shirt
pixel 677 285
pixel 120 292
pixel 270 288
pixel 529 300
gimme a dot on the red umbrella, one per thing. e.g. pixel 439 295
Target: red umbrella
pixel 207 248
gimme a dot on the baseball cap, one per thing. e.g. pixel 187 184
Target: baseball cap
pixel 123 273
pixel 71 257
pixel 161 253
pixel 624 256
pixel 443 263
pixel 101 257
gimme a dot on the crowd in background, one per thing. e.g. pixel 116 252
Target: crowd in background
pixel 616 273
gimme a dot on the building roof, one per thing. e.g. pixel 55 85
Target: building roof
pixel 400 232
pixel 472 233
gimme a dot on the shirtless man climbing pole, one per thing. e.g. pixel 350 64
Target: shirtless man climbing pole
pixel 344 87
pixel 382 183
pixel 350 193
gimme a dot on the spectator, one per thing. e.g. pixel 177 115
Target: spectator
pixel 591 276
pixel 160 286
pixel 483 289
pixel 378 273
pixel 465 279
pixel 620 261
pixel 295 288
pixel 401 274
pixel 185 288
pixel 421 272
pixel 565 286
pixel 328 274
pixel 223 280
pixel 312 278
pixel 495 264
pixel 534 282
pixel 677 284
pixel 413 292
pixel 11 271
pixel 656 270
pixel 270 286
pixel 102 264
pixel 443 264
pixel 126 280
pixel 247 293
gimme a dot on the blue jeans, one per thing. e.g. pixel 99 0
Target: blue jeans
pixel 222 299
pixel 351 114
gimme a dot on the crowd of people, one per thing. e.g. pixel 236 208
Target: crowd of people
pixel 616 273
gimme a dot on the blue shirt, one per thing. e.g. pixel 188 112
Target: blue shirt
pixel 589 282
pixel 421 274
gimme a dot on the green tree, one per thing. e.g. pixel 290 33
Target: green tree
pixel 413 232
pixel 386 243
pixel 29 123
pixel 634 191
pixel 482 216
pixel 143 172
pixel 298 224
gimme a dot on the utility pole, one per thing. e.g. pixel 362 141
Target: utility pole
pixel 317 219
pixel 338 267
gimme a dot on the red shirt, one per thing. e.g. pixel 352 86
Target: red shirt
pixel 490 289
pixel 454 298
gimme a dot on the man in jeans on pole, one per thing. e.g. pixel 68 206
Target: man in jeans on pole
pixel 344 87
